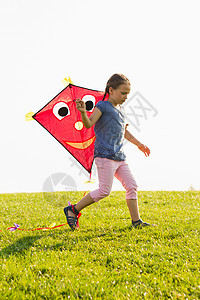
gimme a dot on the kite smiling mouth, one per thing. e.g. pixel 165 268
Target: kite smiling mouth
pixel 81 145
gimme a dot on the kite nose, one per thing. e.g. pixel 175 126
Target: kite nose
pixel 78 125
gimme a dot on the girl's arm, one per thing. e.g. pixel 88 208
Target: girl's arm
pixel 131 138
pixel 88 122
pixel 134 141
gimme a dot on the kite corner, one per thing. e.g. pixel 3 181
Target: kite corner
pixel 67 81
pixel 29 116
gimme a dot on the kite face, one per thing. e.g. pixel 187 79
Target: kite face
pixel 62 119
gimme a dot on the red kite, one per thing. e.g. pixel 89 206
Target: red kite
pixel 61 118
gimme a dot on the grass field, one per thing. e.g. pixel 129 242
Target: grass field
pixel 106 258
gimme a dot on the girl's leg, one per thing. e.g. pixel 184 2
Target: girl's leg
pixel 124 175
pixel 133 209
pixel 85 201
pixel 106 169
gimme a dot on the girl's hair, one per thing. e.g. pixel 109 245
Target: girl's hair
pixel 115 81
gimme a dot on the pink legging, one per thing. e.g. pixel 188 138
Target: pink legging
pixel 107 169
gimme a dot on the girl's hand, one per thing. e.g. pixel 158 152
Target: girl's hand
pixel 80 105
pixel 144 149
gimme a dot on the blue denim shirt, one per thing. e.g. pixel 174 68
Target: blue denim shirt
pixel 109 131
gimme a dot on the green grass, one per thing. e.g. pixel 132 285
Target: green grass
pixel 106 258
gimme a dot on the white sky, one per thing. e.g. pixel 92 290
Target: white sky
pixel 154 43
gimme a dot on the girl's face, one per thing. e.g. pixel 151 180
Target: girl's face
pixel 119 95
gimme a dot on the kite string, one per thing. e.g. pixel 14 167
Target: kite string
pixel 72 87
pixel 75 108
pixel 81 133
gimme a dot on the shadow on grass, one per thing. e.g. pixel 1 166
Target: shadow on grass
pixel 20 246
pixel 70 239
pixel 88 237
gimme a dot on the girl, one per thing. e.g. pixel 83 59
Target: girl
pixel 110 130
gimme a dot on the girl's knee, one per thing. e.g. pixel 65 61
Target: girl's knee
pixel 131 193
pixel 105 193
pixel 99 194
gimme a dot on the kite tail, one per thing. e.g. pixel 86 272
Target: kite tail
pixel 16 226
pixel 89 181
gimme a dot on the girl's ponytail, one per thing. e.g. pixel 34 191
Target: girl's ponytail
pixel 115 81
pixel 104 96
pixel 106 92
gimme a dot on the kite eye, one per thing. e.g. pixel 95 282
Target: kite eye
pixel 61 110
pixel 89 102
